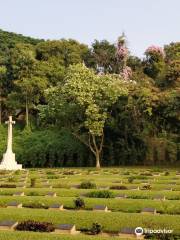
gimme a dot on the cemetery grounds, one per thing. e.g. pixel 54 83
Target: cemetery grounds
pixel 126 192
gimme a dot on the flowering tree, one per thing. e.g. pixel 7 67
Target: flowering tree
pixel 122 54
pixel 154 62
pixel 154 53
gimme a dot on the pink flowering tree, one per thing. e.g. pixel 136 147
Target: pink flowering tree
pixel 122 54
pixel 154 61
pixel 154 53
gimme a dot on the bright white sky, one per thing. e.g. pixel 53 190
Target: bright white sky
pixel 145 22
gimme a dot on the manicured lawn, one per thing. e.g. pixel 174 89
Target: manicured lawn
pixel 111 221
pixel 124 212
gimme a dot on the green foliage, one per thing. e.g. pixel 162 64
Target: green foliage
pixel 34 226
pixel 101 194
pixel 96 228
pixel 79 203
pixel 45 86
pixel 87 185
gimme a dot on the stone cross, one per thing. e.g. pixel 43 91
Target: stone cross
pixel 9 141
pixel 9 161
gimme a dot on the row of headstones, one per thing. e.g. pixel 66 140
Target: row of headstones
pixel 68 229
pixel 101 208
pixel 120 196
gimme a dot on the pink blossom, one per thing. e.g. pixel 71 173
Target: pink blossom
pixel 126 73
pixel 121 52
pixel 155 49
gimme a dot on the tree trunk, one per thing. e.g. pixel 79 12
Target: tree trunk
pixel 97 160
pixel 27 113
pixel 0 108
pixel 0 112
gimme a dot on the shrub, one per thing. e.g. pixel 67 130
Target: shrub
pixel 35 226
pixel 131 179
pixel 146 187
pixel 121 187
pixel 52 177
pixel 101 194
pixel 11 179
pixel 50 173
pixel 146 174
pixel 87 185
pixel 35 205
pixel 166 174
pixel 79 203
pixel 33 194
pixel 32 182
pixel 7 186
pixel 96 228
pixel 17 172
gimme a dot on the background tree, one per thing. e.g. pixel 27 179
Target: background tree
pixel 2 76
pixel 29 81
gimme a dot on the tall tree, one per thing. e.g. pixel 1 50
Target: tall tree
pixel 95 95
pixel 29 80
pixel 2 75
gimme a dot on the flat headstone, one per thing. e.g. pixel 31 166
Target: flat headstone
pixel 149 210
pixel 100 208
pixel 117 182
pixel 45 181
pixel 103 187
pixel 8 225
pixel 159 197
pixel 128 231
pixel 75 186
pixel 121 196
pixel 168 189
pixel 133 188
pixel 21 185
pixel 19 194
pixel 56 207
pixel 66 228
pixel 156 174
pixel 51 194
pixel 145 182
pixel 14 205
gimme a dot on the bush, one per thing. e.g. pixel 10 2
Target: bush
pixel 87 185
pixel 121 187
pixel 131 179
pixel 7 186
pixel 96 228
pixel 146 187
pixel 101 194
pixel 17 172
pixel 11 179
pixel 79 203
pixel 166 174
pixel 146 174
pixel 52 177
pixel 50 173
pixel 35 205
pixel 32 182
pixel 33 194
pixel 35 226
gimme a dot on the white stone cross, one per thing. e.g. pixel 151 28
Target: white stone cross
pixel 9 141
pixel 8 161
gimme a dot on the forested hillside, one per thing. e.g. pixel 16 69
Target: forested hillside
pixel 76 105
